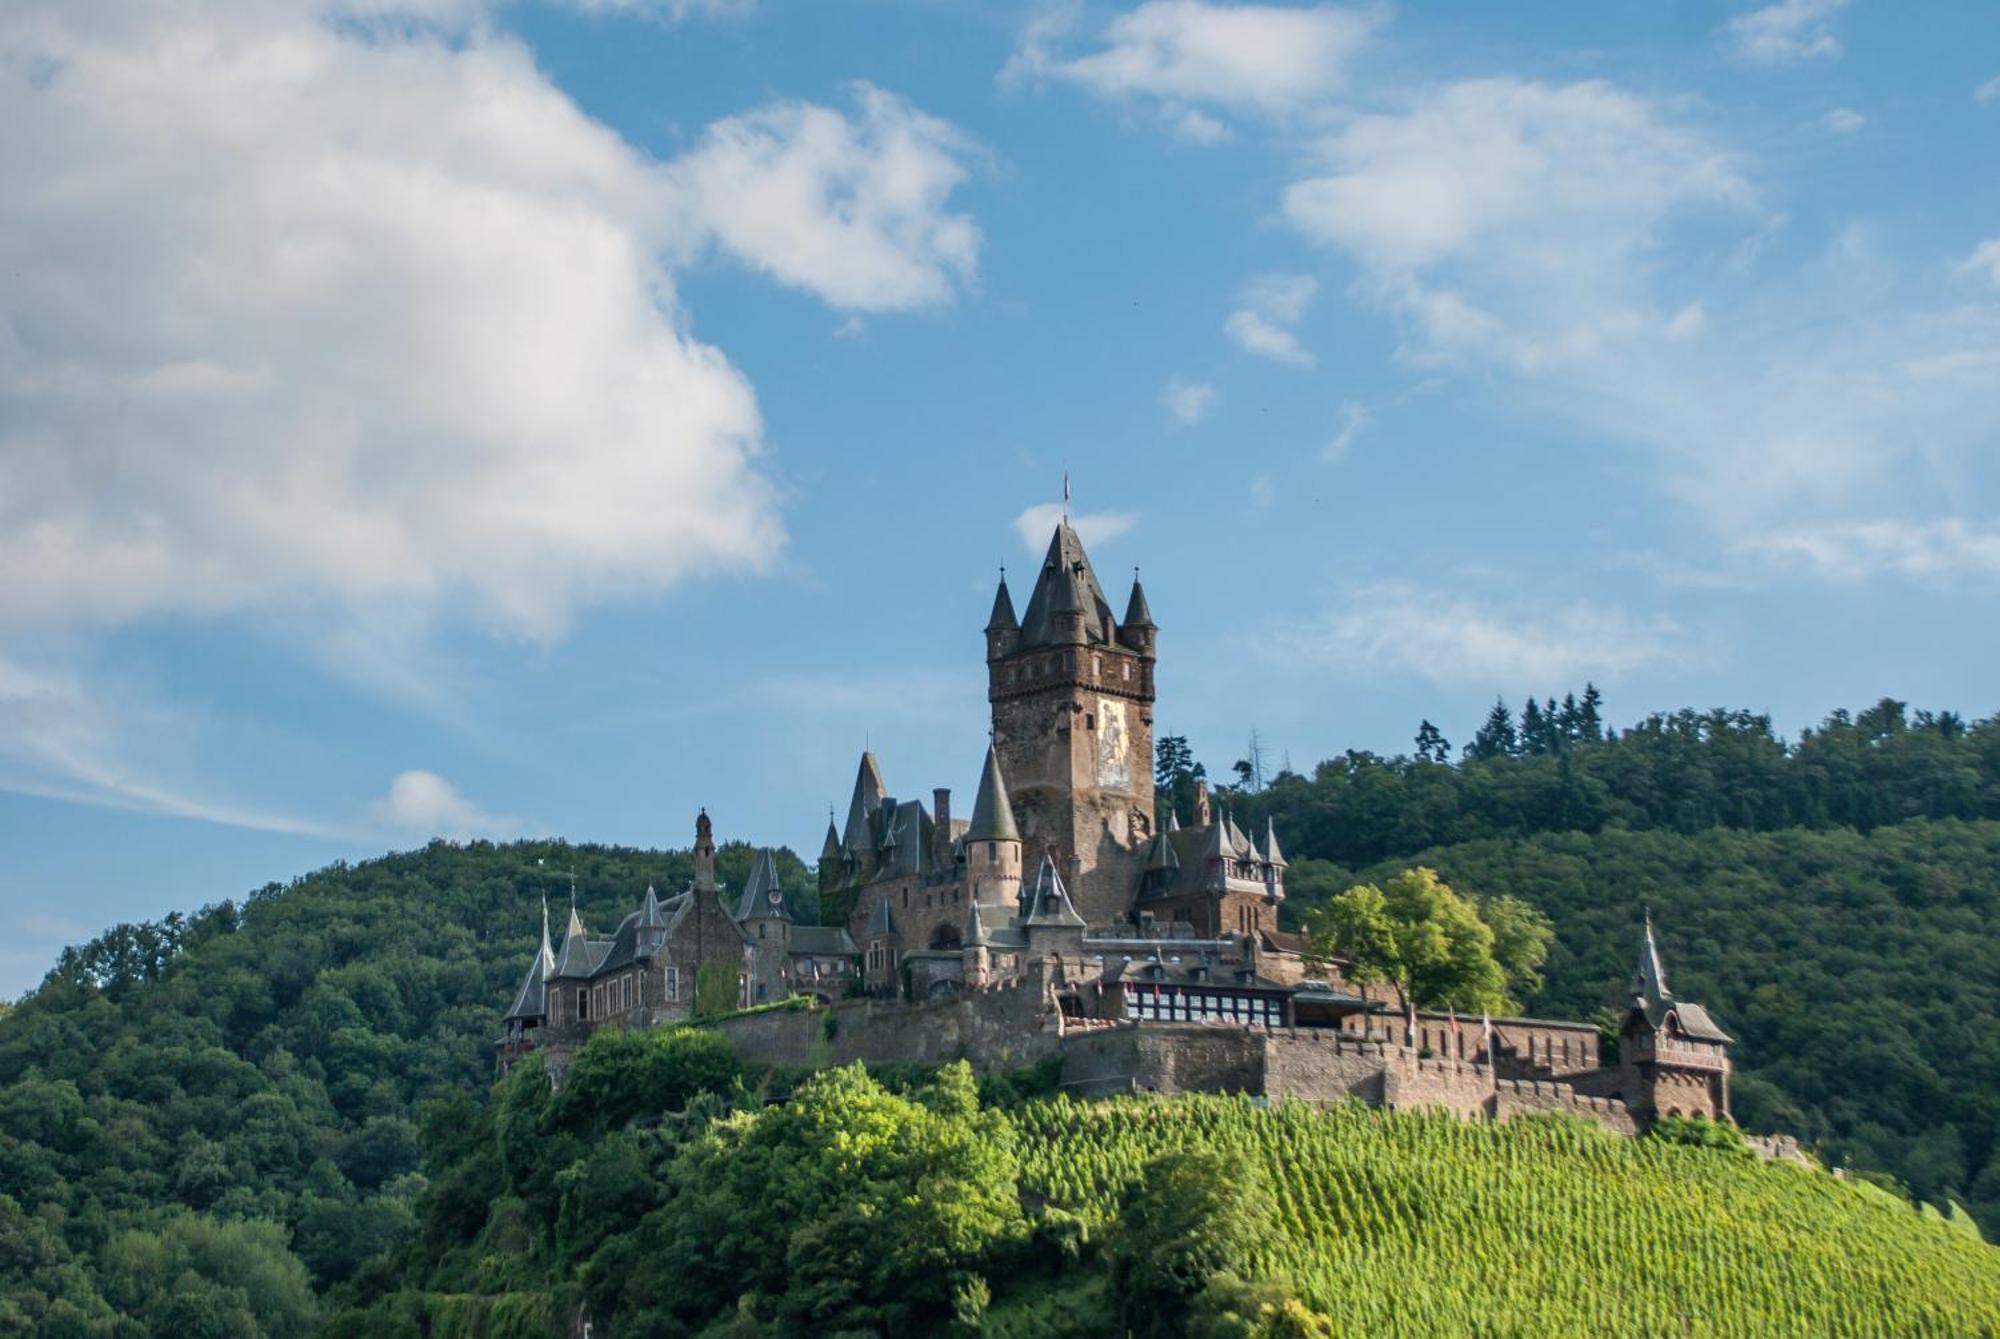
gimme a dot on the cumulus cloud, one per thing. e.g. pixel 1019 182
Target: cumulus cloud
pixel 1784 33
pixel 1267 313
pixel 1037 523
pixel 1454 639
pixel 1187 402
pixel 305 306
pixel 1508 217
pixel 424 804
pixel 1267 59
pixel 850 209
pixel 1850 551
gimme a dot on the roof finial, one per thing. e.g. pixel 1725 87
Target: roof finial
pixel 1065 496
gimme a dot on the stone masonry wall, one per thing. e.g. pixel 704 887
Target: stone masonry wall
pixel 994 1030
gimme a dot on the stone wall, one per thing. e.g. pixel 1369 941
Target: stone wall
pixel 994 1030
pixel 1521 1097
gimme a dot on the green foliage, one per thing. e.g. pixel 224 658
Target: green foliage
pixel 1700 1132
pixel 1437 948
pixel 619 1074
pixel 716 990
pixel 1190 1216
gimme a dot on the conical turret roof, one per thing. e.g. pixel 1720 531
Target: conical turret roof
pixel 1002 618
pixel 1271 851
pixel 532 1000
pixel 1066 583
pixel 1649 979
pixel 975 928
pixel 575 957
pixel 830 848
pixel 1137 613
pixel 992 814
pixel 869 792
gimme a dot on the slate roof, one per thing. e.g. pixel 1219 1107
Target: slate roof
pixel 1066 582
pixel 824 941
pixel 1049 905
pixel 1002 618
pixel 880 922
pixel 758 889
pixel 992 814
pixel 1137 614
pixel 859 835
pixel 532 1000
pixel 1651 997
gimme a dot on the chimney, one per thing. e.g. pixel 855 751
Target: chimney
pixel 941 839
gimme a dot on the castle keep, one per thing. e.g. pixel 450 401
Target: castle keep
pixel 1066 916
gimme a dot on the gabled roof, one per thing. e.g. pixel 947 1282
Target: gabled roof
pixel 1160 853
pixel 532 1000
pixel 992 814
pixel 1049 905
pixel 1066 583
pixel 869 792
pixel 1652 999
pixel 650 915
pixel 1696 1023
pixel 762 895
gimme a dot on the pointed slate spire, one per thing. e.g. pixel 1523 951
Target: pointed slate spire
pixel 1002 618
pixel 575 957
pixel 762 895
pixel 1137 613
pixel 1173 820
pixel 1162 856
pixel 532 1000
pixel 869 792
pixel 1066 585
pixel 975 928
pixel 992 814
pixel 1272 854
pixel 880 922
pixel 650 917
pixel 830 848
pixel 1649 981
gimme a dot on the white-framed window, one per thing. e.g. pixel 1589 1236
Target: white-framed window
pixel 583 1002
pixel 639 996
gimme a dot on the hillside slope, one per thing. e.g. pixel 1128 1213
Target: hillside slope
pixel 856 1209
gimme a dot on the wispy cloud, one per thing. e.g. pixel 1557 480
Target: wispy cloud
pixel 64 739
pixel 1353 418
pixel 1453 638
pixel 1843 120
pixel 1267 314
pixel 1988 91
pixel 1850 551
pixel 1037 523
pixel 1187 402
pixel 424 804
pixel 1784 33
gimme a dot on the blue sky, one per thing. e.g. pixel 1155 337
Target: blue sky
pixel 448 417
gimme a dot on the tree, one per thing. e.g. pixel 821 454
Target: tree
pixel 1432 746
pixel 1175 772
pixel 1590 715
pixel 1496 738
pixel 1191 1217
pixel 1432 945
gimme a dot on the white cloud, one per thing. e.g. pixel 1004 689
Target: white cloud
pixel 407 332
pixel 1187 403
pixel 852 210
pixel 1988 91
pixel 1844 120
pixel 1784 33
pixel 1265 58
pixel 1263 490
pixel 1508 219
pixel 1984 258
pixel 1455 639
pixel 1353 418
pixel 64 739
pixel 424 804
pixel 1268 309
pixel 1037 523
pixel 1850 551
pixel 1688 322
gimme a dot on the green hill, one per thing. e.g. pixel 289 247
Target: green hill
pixel 855 1209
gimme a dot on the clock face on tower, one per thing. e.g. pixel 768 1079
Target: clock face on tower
pixel 775 896
pixel 1114 745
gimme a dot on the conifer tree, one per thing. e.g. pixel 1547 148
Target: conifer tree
pixel 1496 738
pixel 1432 746
pixel 1534 729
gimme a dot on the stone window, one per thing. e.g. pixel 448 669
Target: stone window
pixel 639 994
pixel 673 983
pixel 582 1003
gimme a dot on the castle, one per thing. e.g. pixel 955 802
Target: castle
pixel 1066 918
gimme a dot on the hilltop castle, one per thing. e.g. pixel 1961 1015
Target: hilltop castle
pixel 1067 917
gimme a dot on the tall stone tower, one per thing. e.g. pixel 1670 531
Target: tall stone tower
pixel 1072 695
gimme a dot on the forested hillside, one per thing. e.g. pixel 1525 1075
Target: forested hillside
pixel 226 1109
pixel 1834 900
pixel 860 1210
